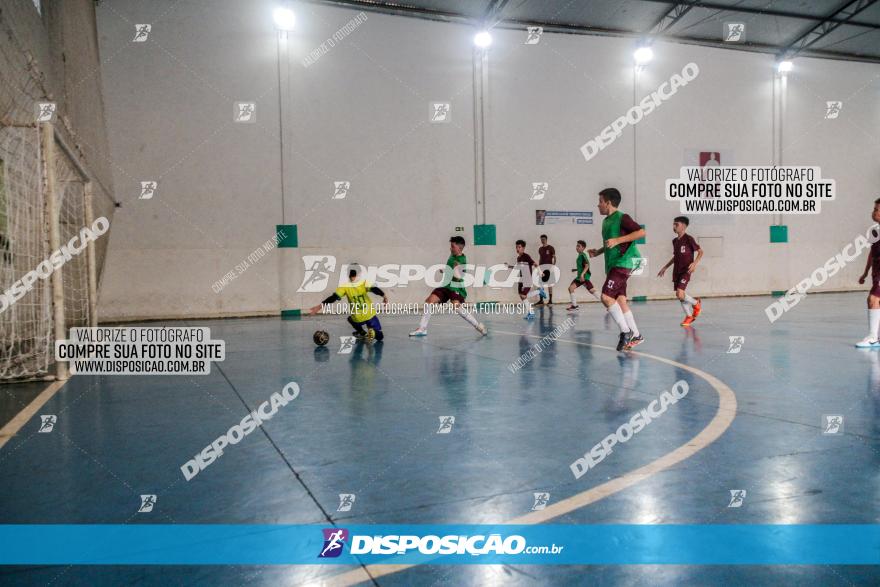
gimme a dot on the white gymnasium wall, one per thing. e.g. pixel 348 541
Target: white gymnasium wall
pixel 360 113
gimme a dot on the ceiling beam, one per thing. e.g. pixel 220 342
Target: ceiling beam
pixel 842 15
pixel 554 27
pixel 669 18
pixel 768 12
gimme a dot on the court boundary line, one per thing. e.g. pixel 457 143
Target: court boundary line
pixel 20 419
pixel 717 426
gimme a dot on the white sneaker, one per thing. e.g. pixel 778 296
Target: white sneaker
pixel 481 328
pixel 419 332
pixel 867 343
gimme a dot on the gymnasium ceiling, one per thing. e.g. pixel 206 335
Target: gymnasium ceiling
pixel 836 29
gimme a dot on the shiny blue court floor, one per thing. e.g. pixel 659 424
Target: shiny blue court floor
pixel 366 423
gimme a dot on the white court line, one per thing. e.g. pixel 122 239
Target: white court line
pixel 714 429
pixel 13 426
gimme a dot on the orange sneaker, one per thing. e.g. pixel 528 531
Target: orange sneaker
pixel 687 321
pixel 697 307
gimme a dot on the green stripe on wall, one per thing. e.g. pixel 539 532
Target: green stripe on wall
pixel 291 313
pixel 776 293
pixel 640 299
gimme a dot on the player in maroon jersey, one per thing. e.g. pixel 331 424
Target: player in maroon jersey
pixel 546 257
pixel 526 265
pixel 873 340
pixel 686 255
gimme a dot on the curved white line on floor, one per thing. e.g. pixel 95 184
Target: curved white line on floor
pixel 717 426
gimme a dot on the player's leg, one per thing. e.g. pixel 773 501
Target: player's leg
pixel 571 289
pixel 432 299
pixel 524 294
pixel 871 340
pixel 637 338
pixel 548 288
pixel 610 292
pixel 374 329
pixel 359 331
pixel 462 311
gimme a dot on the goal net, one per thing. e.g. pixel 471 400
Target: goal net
pixel 27 324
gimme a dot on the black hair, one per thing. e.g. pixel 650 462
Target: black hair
pixel 353 269
pixel 611 195
pixel 684 219
pixel 543 236
pixel 459 240
pixel 521 242
pixel 583 243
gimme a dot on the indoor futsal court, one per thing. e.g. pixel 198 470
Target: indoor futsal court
pixel 495 292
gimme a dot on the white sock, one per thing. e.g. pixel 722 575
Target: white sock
pixel 617 314
pixel 687 307
pixel 873 323
pixel 690 300
pixel 423 325
pixel 631 322
pixel 573 302
pixel 528 305
pixel 469 318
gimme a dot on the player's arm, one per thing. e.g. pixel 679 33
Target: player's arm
pixel 334 297
pixel 635 232
pixel 693 266
pixel 627 238
pixel 665 267
pixel 867 268
pixel 596 252
pixel 379 292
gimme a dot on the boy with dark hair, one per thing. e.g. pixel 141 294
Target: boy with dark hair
pixel 683 248
pixel 583 275
pixel 363 314
pixel 453 291
pixel 619 231
pixel 546 257
pixel 525 264
pixel 873 339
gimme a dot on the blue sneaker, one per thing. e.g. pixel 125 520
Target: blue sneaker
pixel 530 316
pixel 868 343
pixel 419 332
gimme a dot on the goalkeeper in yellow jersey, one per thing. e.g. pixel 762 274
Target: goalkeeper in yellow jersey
pixel 363 315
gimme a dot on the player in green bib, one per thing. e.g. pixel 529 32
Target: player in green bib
pixel 583 275
pixel 454 291
pixel 619 231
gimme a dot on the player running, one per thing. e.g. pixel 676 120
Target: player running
pixel 453 291
pixel 873 340
pixel 619 231
pixel 526 264
pixel 363 313
pixel 684 264
pixel 582 278
pixel 546 258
